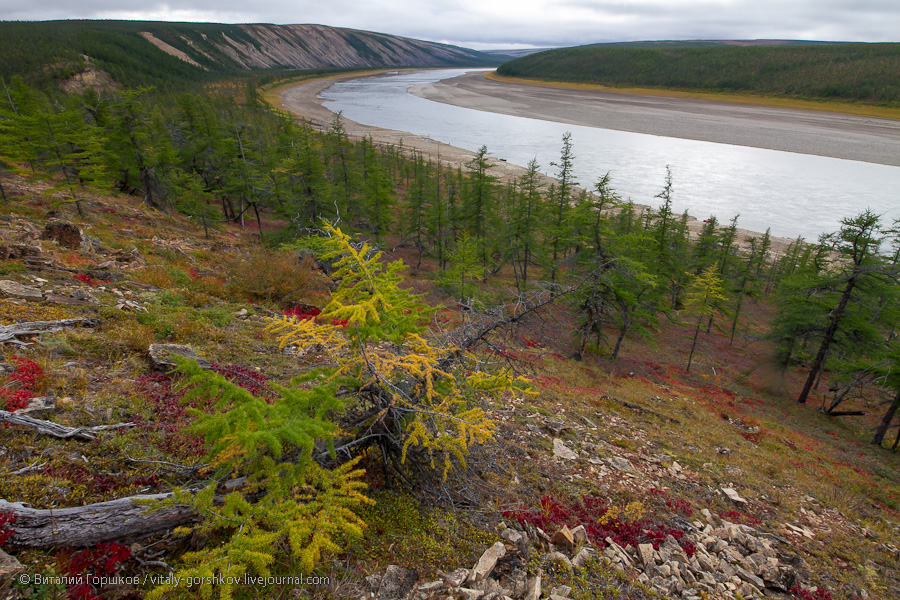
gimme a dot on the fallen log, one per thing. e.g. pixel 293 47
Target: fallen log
pixel 120 520
pixel 9 333
pixel 56 430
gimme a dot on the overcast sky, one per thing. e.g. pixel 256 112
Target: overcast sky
pixel 486 24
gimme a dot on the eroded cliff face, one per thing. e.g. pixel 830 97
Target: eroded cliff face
pixel 312 46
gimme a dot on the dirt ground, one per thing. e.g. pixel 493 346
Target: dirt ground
pixel 302 100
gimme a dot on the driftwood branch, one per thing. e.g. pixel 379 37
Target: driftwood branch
pixel 55 429
pixel 10 333
pixel 116 520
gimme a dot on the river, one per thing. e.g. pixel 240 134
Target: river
pixel 793 194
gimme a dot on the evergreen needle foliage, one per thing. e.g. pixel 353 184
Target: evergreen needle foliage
pixel 282 499
pixel 412 395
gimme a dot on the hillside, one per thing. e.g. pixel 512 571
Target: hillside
pixel 635 450
pixel 846 72
pixel 343 370
pixel 163 54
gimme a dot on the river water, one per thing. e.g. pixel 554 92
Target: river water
pixel 793 194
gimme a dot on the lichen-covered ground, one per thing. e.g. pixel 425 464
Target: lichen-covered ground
pixel 652 443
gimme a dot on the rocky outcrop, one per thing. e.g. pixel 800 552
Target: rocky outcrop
pixel 266 46
pixel 731 561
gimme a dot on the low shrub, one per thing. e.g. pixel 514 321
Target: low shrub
pixel 623 525
pixel 275 276
pixel 19 386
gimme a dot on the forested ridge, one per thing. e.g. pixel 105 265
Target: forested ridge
pixel 848 72
pixel 48 52
pixel 356 412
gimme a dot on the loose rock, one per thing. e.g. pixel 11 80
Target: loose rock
pixel 560 450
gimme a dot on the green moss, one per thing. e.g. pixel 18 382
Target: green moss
pixel 8 267
pixel 427 538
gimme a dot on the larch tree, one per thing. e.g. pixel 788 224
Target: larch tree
pixel 856 248
pixel 703 295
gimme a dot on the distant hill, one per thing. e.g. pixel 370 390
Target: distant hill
pixel 158 53
pixel 517 53
pixel 662 44
pixel 817 70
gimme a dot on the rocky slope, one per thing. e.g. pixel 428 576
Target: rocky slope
pixel 154 53
pixel 314 46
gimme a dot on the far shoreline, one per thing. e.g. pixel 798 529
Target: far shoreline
pixel 847 108
pixel 301 99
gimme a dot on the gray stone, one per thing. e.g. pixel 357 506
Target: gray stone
pixel 584 555
pixel 431 586
pixel 533 588
pixel 560 590
pixel 563 538
pixel 160 356
pixel 645 551
pixel 469 594
pixel 580 536
pixel 487 562
pixel 66 235
pixel 559 557
pixel 373 581
pixel 622 464
pixel 490 587
pixel 38 406
pixel 10 568
pixel 14 289
pixel 733 495
pixel 512 536
pixel 560 450
pixel 397 583
pixel 455 578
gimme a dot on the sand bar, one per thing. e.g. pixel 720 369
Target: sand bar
pixel 808 132
pixel 838 135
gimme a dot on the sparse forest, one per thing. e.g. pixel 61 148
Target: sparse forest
pixel 848 72
pixel 350 411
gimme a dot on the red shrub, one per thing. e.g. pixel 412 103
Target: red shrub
pixel 303 314
pixel 100 561
pixel 590 512
pixel 682 506
pixel 6 532
pixel 19 386
pixel 738 517
pixel 89 280
pixel 171 416
pixel 819 594
pixel 253 382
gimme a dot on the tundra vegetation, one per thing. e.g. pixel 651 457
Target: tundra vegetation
pixel 355 412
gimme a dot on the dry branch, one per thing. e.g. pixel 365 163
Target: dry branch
pixel 10 333
pixel 55 429
pixel 115 520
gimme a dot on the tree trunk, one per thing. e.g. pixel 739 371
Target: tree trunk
pixel 115 520
pixel 694 343
pixel 819 362
pixel 886 421
pixel 622 331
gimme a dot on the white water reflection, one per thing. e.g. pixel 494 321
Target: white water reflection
pixel 794 194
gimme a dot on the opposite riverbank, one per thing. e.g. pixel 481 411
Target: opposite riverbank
pixel 301 99
pixel 836 135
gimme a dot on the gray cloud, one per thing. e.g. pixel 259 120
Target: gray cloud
pixel 514 22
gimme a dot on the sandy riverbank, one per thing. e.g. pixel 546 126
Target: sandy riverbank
pixel 302 100
pixel 838 135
